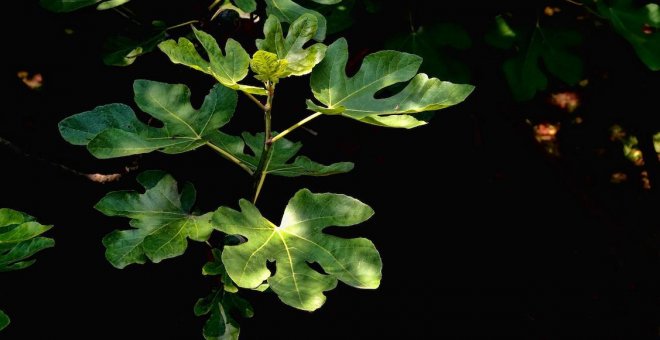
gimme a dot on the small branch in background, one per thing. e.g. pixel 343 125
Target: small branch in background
pixel 95 177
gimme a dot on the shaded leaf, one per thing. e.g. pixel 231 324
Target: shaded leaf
pixel 216 268
pixel 630 21
pixel 354 97
pixel 72 5
pixel 219 305
pixel 300 60
pixel 227 68
pixel 552 46
pixel 122 51
pixel 501 35
pixel 4 320
pixel 283 151
pixel 288 11
pixel 523 73
pixel 437 45
pixel 19 239
pixel 113 130
pixel 297 241
pixel 160 218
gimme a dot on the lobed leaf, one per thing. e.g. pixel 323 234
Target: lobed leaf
pixel 113 130
pixel 354 97
pixel 300 60
pixel 288 11
pixel 227 68
pixel 296 242
pixel 283 151
pixel 630 21
pixel 160 218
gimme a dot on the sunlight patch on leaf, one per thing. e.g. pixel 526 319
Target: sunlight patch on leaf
pixel 297 241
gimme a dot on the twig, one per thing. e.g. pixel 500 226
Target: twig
pixel 95 177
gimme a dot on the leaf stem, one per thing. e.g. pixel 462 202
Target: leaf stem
pixel 255 100
pixel 189 22
pixel 266 154
pixel 295 126
pixel 230 157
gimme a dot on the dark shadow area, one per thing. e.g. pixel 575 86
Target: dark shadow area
pixel 497 239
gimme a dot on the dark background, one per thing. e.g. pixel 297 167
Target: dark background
pixel 481 233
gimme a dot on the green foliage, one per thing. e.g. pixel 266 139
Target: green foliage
pixel 228 68
pixel 114 131
pixel 248 6
pixel 636 25
pixel 436 44
pixel 299 60
pixel 19 240
pixel 288 11
pixel 4 320
pixel 72 5
pixel 160 218
pixel 268 68
pixel 297 241
pixel 354 97
pixel 219 305
pixel 552 46
pixel 283 151
pixel 122 51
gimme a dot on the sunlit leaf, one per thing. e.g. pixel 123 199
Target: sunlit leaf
pixel 629 21
pixel 160 218
pixel 300 60
pixel 19 239
pixel 228 68
pixel 267 67
pixel 113 130
pixel 296 242
pixel 354 97
pixel 288 11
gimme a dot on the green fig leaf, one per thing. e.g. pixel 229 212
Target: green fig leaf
pixel 113 130
pixel 288 11
pixel 283 151
pixel 219 305
pixel 354 97
pixel 267 67
pixel 300 60
pixel 227 68
pixel 629 22
pixel 296 242
pixel 160 218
